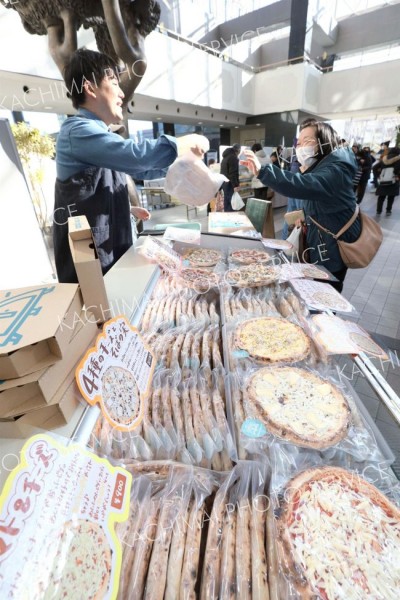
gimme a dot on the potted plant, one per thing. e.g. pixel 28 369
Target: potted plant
pixel 33 147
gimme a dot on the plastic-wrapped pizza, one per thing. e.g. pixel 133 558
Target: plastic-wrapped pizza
pixel 299 406
pixel 202 257
pixel 338 536
pixel 252 275
pixel 248 256
pixel 272 340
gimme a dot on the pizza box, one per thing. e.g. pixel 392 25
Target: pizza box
pixel 36 325
pixel 66 401
pixel 88 268
pixel 36 390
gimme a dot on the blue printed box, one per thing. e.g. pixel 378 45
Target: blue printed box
pixel 36 326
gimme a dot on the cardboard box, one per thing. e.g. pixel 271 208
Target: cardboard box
pixel 36 325
pixel 88 268
pixel 37 390
pixel 67 400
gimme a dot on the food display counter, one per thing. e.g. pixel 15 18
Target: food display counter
pixel 216 478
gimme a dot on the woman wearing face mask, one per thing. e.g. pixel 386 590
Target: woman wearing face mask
pixel 325 183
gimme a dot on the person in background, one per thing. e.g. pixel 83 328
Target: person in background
pixel 274 159
pixel 365 162
pixel 230 168
pixel 389 189
pixel 376 166
pixel 357 176
pixel 92 161
pixel 259 189
pixel 325 186
pixel 293 203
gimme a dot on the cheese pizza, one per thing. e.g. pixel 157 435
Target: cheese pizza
pixel 252 275
pixel 247 256
pixel 313 272
pixel 199 279
pixel 331 300
pixel 366 344
pixel 270 339
pixel 82 565
pixel 338 537
pixel 120 394
pixel 202 257
pixel 299 406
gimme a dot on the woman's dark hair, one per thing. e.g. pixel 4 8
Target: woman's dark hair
pixel 327 138
pixel 86 65
pixel 256 147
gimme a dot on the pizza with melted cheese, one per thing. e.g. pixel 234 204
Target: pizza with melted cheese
pixel 202 257
pixel 252 275
pixel 247 256
pixel 199 279
pixel 299 406
pixel 271 340
pixel 338 537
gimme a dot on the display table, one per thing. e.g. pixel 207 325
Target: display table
pixel 228 223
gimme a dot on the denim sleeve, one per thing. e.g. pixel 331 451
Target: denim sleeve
pixel 96 146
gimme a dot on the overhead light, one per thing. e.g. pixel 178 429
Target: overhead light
pixel 236 126
pixel 158 119
pixel 221 125
pixel 200 123
pixel 258 124
pixel 48 107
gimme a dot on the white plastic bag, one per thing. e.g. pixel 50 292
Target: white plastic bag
pixel 236 201
pixel 191 182
pixel 294 239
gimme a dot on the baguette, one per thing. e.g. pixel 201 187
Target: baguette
pixel 243 556
pixel 192 553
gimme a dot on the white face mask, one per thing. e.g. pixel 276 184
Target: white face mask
pixel 306 155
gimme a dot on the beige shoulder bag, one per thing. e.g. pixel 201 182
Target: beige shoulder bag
pixel 360 253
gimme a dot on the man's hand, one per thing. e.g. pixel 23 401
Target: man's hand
pixel 198 144
pixel 140 213
pixel 251 162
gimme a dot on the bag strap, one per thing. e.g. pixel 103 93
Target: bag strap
pixel 344 228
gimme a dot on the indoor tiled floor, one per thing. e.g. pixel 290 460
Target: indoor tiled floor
pixel 375 293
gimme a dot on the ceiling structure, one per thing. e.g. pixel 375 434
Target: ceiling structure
pixel 252 26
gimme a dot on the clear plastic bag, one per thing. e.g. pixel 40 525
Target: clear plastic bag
pixel 191 182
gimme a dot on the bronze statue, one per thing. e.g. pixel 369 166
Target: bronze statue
pixel 120 27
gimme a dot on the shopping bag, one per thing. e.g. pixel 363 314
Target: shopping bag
pixel 236 201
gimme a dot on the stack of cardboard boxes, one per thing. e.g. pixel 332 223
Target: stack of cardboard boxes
pixel 44 333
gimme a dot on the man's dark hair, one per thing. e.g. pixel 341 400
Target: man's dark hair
pixel 256 147
pixel 236 148
pixel 86 65
pixel 327 138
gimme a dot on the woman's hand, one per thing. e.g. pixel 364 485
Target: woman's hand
pixel 251 162
pixel 140 213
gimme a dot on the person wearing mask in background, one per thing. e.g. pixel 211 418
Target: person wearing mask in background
pixel 366 166
pixel 92 161
pixel 230 168
pixel 259 189
pixel 293 203
pixel 390 187
pixel 325 186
